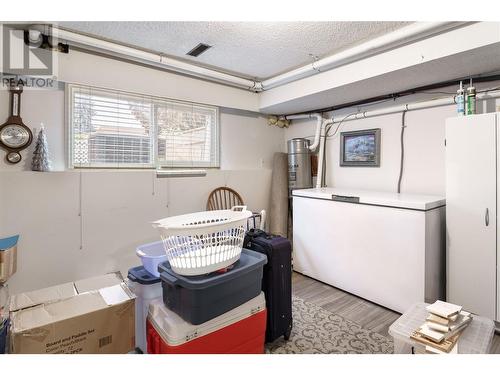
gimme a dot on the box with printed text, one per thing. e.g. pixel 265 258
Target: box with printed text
pixel 90 316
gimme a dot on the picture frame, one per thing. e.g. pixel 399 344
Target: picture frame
pixel 360 148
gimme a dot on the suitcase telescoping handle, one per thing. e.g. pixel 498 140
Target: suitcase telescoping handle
pixel 256 233
pixel 251 234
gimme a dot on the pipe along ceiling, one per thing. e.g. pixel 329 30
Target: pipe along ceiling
pixel 410 33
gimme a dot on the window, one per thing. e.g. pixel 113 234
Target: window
pixel 113 129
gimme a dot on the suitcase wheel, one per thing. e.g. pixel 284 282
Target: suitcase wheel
pixel 288 332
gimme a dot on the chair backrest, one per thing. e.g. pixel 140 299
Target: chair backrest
pixel 223 198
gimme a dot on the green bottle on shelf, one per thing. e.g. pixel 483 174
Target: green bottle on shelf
pixel 471 99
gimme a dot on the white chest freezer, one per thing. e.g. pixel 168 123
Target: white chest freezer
pixel 385 247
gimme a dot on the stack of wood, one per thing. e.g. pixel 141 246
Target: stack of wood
pixel 442 328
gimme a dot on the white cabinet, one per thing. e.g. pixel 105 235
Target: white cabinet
pixel 385 247
pixel 471 215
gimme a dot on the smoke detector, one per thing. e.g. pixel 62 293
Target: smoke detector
pixel 198 50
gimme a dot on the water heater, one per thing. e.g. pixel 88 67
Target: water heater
pixel 299 164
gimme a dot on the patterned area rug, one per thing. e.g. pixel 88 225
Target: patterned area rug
pixel 316 330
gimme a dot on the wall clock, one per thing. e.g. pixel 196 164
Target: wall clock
pixel 14 135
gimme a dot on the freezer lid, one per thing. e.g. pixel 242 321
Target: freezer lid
pixel 376 198
pixel 176 331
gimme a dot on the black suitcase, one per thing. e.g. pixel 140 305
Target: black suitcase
pixel 276 281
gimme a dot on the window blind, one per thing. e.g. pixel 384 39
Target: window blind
pixel 187 136
pixel 113 129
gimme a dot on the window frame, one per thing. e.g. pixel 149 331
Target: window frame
pixel 215 137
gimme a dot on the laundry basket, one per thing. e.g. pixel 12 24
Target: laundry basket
pixel 151 255
pixel 203 242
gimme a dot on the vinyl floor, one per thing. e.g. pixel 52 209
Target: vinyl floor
pixel 367 314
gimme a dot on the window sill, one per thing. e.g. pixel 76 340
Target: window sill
pixel 172 173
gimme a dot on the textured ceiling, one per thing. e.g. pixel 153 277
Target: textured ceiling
pixel 249 49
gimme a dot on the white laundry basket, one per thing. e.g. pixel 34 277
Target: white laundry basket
pixel 203 242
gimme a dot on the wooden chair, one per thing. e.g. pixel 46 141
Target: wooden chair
pixel 223 198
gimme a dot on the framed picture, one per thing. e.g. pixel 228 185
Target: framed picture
pixel 360 148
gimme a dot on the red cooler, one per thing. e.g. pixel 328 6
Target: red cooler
pixel 239 331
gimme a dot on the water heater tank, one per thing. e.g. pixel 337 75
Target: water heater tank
pixel 299 164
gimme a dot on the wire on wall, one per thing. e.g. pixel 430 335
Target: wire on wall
pixel 339 124
pixel 323 170
pixel 80 207
pixel 153 186
pixel 325 138
pixel 167 203
pixel 403 126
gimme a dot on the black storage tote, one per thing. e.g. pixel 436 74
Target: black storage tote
pixel 198 299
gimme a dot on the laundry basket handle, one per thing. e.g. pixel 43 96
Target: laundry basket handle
pixel 239 208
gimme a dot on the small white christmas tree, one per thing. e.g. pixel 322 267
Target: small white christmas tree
pixel 40 160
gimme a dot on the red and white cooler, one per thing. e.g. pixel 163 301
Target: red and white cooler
pixel 239 331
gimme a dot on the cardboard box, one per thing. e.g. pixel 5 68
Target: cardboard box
pixel 90 316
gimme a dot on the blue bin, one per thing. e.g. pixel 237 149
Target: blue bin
pixel 8 257
pixel 146 287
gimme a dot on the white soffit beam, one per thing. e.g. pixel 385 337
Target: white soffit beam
pixel 404 35
pixel 478 62
pixel 432 49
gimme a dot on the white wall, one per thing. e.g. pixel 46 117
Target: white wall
pixel 58 245
pixel 116 208
pixel 424 166
pixel 80 67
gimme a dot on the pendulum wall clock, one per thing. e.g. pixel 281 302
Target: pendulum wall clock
pixel 14 135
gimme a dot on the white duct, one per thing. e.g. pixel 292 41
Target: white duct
pixel 118 50
pixel 410 33
pixel 320 127
pixel 414 106
pixel 413 32
pixel 319 123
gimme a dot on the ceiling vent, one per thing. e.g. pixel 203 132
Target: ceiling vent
pixel 198 50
